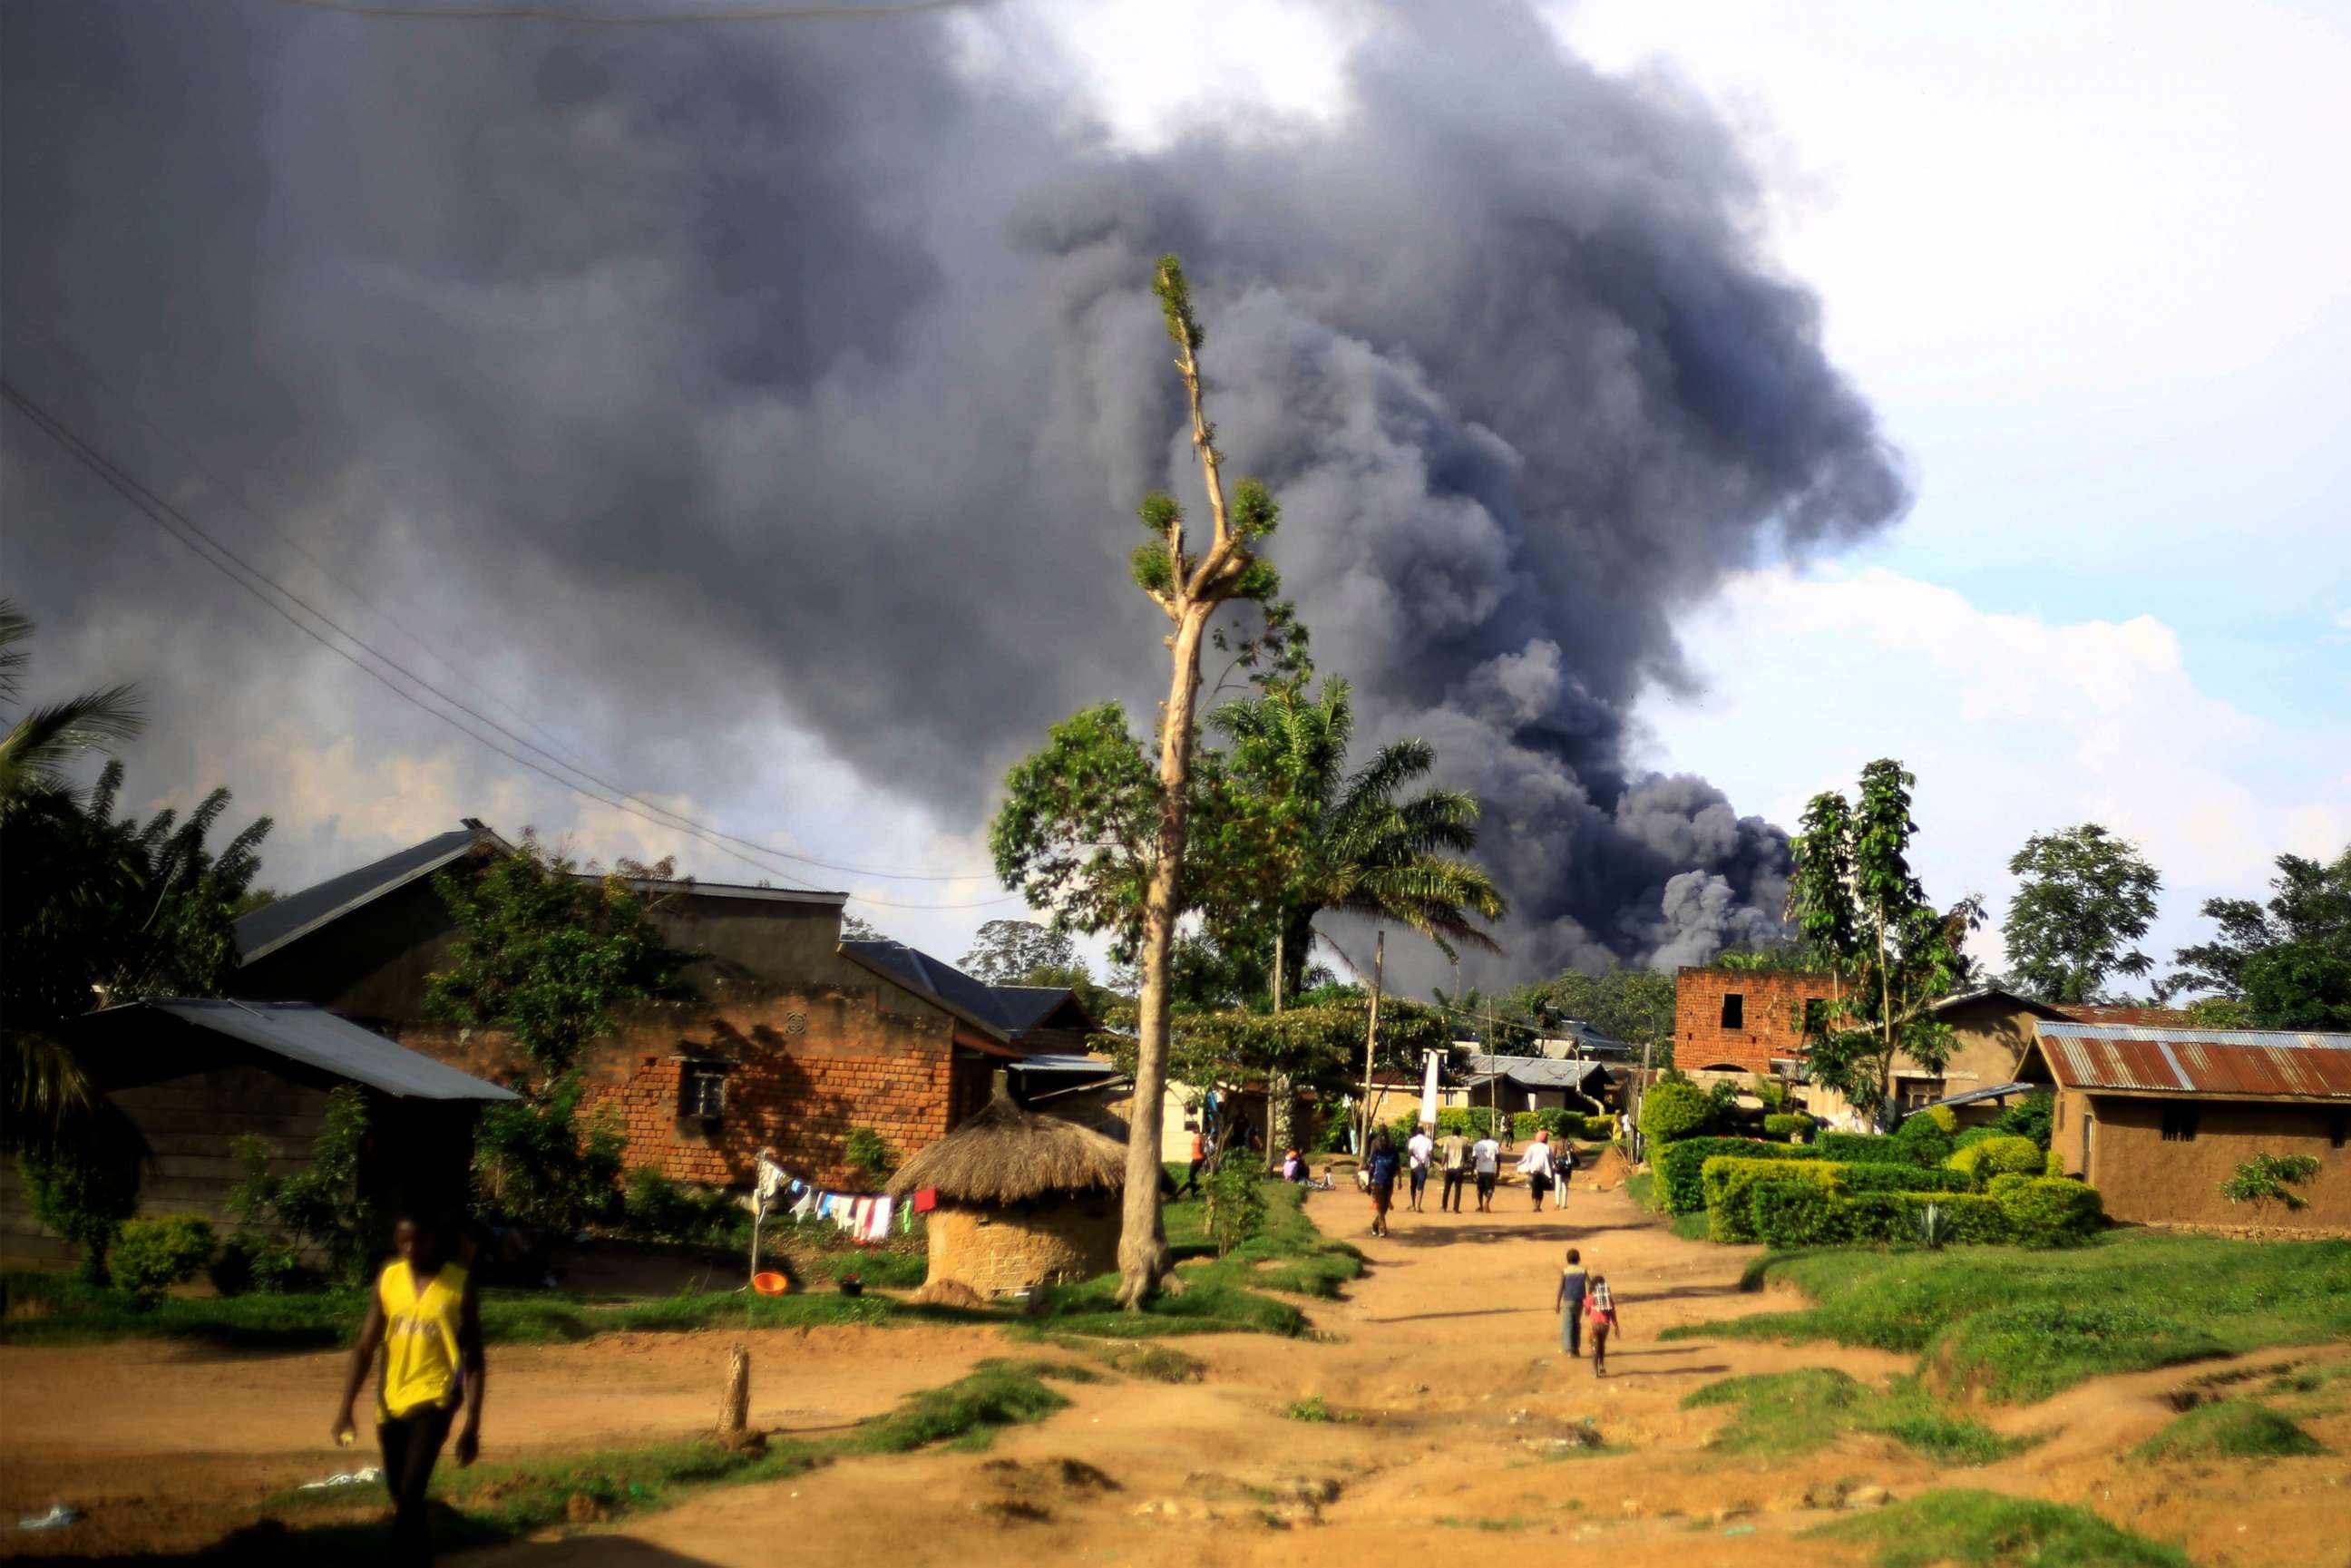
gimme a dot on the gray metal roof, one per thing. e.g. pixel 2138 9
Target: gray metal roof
pixel 1537 1071
pixel 274 924
pixel 1996 1092
pixel 1050 1061
pixel 319 1039
pixel 1004 1012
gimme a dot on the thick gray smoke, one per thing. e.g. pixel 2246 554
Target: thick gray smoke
pixel 804 373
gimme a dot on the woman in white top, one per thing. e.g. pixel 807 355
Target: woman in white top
pixel 1535 1165
pixel 1416 1152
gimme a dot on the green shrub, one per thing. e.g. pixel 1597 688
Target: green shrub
pixel 1980 1529
pixel 2029 1117
pixel 150 1255
pixel 1680 1166
pixel 83 1198
pixel 1853 1178
pixel 1795 1129
pixel 2237 1429
pixel 864 1149
pixel 1999 1155
pixel 1925 1138
pixel 1777 1216
pixel 1601 1128
pixel 2054 1165
pixel 540 1161
pixel 2048 1211
pixel 1785 1213
pixel 656 1209
pixel 1236 1205
pixel 1727 1180
pixel 1967 1216
pixel 1674 1110
pixel 1859 1147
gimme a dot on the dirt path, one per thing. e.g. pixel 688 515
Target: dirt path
pixel 1446 1355
pixel 169 1446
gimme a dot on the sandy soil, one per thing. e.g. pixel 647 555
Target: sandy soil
pixel 1446 1354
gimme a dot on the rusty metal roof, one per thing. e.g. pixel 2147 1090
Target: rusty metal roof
pixel 2260 1063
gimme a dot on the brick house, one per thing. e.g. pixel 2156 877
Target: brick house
pixel 2157 1119
pixel 1741 1020
pixel 787 1036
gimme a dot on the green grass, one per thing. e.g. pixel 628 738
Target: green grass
pixel 2024 1324
pixel 71 1313
pixel 492 1503
pixel 1986 1530
pixel 1792 1412
pixel 1492 1526
pixel 1312 1408
pixel 2232 1429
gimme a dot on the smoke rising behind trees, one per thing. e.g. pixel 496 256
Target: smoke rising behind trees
pixel 811 372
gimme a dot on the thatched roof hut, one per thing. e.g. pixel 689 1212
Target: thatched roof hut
pixel 1023 1198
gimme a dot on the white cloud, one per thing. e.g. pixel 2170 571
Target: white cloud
pixel 2013 723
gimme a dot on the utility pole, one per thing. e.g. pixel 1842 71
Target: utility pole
pixel 1279 1103
pixel 1372 1033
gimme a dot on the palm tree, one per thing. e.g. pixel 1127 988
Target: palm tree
pixel 41 745
pixel 1356 843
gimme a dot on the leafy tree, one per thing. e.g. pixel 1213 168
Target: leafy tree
pixel 855 929
pixel 1007 952
pixel 548 954
pixel 1864 914
pixel 43 743
pixel 318 1207
pixel 2267 1179
pixel 1634 1006
pixel 1141 892
pixel 97 910
pixel 2083 898
pixel 84 1190
pixel 2290 963
pixel 539 1161
pixel 2220 1013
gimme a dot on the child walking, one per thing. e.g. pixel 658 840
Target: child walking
pixel 1569 1303
pixel 1600 1314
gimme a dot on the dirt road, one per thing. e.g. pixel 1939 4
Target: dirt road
pixel 1447 1354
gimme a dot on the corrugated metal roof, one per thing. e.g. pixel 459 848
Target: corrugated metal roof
pixel 316 1038
pixel 1996 1092
pixel 2261 1063
pixel 1537 1071
pixel 274 924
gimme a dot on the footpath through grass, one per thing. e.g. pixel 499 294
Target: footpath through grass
pixel 491 1504
pixel 1987 1529
pixel 1795 1412
pixel 2024 1324
pixel 1226 1295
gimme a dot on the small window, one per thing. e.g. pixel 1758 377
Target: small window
pixel 2178 1124
pixel 1734 1010
pixel 2339 1132
pixel 1920 1093
pixel 702 1092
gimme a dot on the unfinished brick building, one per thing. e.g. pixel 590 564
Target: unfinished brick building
pixel 1740 1020
pixel 789 1038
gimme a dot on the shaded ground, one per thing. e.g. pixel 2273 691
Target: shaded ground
pixel 1460 1418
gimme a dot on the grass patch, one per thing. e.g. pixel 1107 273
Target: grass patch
pixel 1312 1409
pixel 2233 1430
pixel 1493 1526
pixel 1986 1529
pixel 1641 1187
pixel 2024 1324
pixel 493 1504
pixel 1792 1412
pixel 67 1312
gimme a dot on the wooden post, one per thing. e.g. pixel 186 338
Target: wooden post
pixel 1371 1035
pixel 734 1409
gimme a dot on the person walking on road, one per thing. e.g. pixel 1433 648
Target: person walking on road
pixel 1574 1285
pixel 1199 1158
pixel 1600 1316
pixel 1417 1152
pixel 1381 1166
pixel 426 1317
pixel 1486 1160
pixel 1453 1152
pixel 1536 1166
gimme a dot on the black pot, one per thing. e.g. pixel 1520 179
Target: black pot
pixel 850 1285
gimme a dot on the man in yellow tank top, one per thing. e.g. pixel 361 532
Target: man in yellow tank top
pixel 426 1320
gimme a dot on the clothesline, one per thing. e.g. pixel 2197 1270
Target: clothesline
pixel 867 1218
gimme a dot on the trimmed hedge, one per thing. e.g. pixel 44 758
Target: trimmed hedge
pixel 1728 1182
pixel 1871 1148
pixel 1675 1110
pixel 2002 1154
pixel 1795 1129
pixel 1680 1166
pixel 2029 1211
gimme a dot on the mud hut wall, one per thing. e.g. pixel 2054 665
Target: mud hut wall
pixel 999 1250
pixel 803 1069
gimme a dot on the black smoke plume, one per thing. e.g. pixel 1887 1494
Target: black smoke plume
pixel 710 378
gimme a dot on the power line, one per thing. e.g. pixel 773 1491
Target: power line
pixel 552 753
pixel 165 515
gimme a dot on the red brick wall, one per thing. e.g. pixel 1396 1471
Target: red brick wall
pixel 803 1069
pixel 1772 1005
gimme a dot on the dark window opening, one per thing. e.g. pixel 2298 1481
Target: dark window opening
pixel 2340 1131
pixel 2178 1124
pixel 1919 1093
pixel 1734 1010
pixel 702 1092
